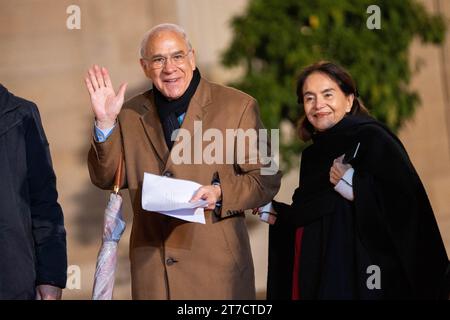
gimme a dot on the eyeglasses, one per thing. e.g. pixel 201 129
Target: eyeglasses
pixel 177 58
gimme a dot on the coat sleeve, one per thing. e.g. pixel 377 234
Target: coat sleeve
pixel 247 187
pixel 390 198
pixel 103 160
pixel 280 261
pixel 46 214
pixel 305 209
pixel 307 205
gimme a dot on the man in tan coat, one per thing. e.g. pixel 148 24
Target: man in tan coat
pixel 172 258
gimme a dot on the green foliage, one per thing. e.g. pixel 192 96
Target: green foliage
pixel 275 39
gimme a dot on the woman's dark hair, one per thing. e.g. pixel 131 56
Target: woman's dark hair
pixel 342 79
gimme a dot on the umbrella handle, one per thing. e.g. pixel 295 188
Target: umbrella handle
pixel 118 176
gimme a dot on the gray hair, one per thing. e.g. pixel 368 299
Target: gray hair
pixel 160 28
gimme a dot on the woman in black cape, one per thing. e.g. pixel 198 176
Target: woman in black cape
pixel 360 225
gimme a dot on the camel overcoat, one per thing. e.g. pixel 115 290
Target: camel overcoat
pixel 171 258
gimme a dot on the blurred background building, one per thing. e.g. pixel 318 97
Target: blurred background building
pixel 44 61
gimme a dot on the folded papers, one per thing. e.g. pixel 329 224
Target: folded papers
pixel 171 197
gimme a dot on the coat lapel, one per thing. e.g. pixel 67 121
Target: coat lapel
pixel 153 128
pixel 195 112
pixel 152 123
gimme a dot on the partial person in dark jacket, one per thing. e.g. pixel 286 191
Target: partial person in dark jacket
pixel 33 263
pixel 360 226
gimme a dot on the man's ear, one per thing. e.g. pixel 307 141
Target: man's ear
pixel 144 66
pixel 192 58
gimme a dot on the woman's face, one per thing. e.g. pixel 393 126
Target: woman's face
pixel 325 103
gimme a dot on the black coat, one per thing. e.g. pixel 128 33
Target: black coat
pixel 32 234
pixel 390 223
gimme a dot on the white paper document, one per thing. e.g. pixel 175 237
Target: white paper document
pixel 171 197
pixel 265 212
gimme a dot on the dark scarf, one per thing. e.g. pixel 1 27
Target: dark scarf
pixel 169 111
pixel 347 125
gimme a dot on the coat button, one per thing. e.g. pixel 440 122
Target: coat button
pixel 170 261
pixel 168 174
